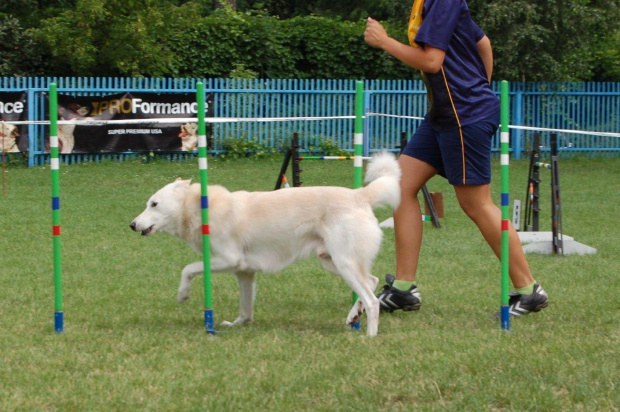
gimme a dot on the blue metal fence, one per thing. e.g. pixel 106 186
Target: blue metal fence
pixel 392 107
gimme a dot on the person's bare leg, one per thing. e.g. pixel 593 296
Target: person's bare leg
pixel 408 223
pixel 476 202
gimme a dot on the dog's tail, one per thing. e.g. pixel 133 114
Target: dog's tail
pixel 383 178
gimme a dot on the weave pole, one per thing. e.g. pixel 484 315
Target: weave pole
pixel 505 161
pixel 204 205
pixel 55 168
pixel 358 161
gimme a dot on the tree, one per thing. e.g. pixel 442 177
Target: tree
pixel 220 4
pixel 546 40
pixel 18 54
pixel 116 37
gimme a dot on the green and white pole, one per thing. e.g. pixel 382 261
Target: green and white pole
pixel 55 168
pixel 204 205
pixel 358 161
pixel 505 161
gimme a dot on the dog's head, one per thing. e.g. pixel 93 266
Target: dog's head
pixel 8 136
pixel 189 129
pixel 73 111
pixel 163 209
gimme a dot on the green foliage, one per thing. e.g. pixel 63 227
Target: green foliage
pixel 561 40
pixel 240 72
pixel 12 160
pixel 551 40
pixel 302 47
pixel 245 148
pixel 327 147
pixel 109 38
pixel 18 55
pixel 608 58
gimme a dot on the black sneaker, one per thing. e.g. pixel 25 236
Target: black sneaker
pixel 391 299
pixel 520 305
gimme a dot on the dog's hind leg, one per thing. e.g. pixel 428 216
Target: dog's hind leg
pixel 348 271
pixel 368 302
pixel 189 272
pixel 359 305
pixel 363 284
pixel 247 295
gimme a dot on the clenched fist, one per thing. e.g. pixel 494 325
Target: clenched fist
pixel 375 35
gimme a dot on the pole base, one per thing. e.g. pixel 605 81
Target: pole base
pixel 505 317
pixel 59 321
pixel 209 326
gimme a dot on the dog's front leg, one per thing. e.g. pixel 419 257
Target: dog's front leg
pixel 189 272
pixel 247 294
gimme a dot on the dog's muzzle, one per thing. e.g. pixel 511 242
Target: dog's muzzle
pixel 144 232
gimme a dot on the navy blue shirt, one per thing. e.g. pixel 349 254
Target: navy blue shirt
pixel 459 94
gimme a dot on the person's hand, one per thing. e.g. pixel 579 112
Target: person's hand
pixel 374 34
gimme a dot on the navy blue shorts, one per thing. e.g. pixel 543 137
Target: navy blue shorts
pixel 462 155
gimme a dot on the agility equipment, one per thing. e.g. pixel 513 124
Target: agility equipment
pixel 285 182
pixel 505 188
pixel 203 167
pixel 55 171
pixel 204 206
pixel 428 198
pixel 358 170
pixel 553 242
pixel 432 213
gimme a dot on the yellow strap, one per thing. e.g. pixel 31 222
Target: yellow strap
pixel 415 21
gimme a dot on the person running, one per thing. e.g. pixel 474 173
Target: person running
pixel 455 58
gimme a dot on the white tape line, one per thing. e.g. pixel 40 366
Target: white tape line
pixel 86 122
pixel 93 122
pixel 395 115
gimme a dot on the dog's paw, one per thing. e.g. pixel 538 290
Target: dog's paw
pixel 239 321
pixel 356 313
pixel 182 296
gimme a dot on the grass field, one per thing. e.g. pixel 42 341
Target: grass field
pixel 129 346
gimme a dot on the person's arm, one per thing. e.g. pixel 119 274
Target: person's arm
pixel 486 52
pixel 428 59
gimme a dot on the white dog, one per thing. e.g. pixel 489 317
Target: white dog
pixel 189 136
pixel 253 232
pixel 66 139
pixel 8 138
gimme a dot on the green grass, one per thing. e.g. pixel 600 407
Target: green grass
pixel 129 346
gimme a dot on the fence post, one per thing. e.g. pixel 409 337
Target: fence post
pixel 517 119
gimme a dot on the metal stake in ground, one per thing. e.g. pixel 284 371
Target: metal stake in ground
pixel 556 204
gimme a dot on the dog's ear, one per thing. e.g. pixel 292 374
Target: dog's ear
pixel 179 182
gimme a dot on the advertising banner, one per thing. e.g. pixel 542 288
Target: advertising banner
pixel 115 138
pixel 13 107
pixel 109 138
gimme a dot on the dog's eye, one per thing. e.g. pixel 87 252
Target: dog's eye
pixel 153 204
